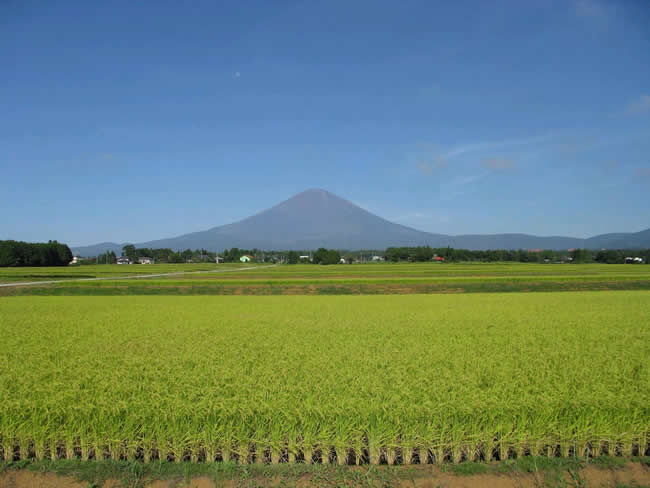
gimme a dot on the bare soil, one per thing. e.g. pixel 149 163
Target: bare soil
pixel 632 474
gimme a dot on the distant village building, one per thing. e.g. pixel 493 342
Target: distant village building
pixel 378 258
pixel 123 260
pixel 145 260
pixel 218 259
pixel 438 258
pixel 246 258
pixel 76 259
pixel 304 258
pixel 633 260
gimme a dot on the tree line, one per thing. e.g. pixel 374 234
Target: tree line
pixel 394 254
pixel 426 253
pixel 160 255
pixel 19 253
pixel 321 256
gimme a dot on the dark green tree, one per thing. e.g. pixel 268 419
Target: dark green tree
pixel 326 256
pixel 580 256
pixel 130 252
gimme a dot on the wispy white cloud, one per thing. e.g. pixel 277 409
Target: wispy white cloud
pixel 498 164
pixel 641 104
pixel 483 146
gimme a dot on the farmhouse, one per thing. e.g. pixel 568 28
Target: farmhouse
pixel 76 259
pixel 123 260
pixel 246 258
pixel 145 260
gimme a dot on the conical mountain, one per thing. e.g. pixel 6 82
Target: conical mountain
pixel 317 218
pixel 314 218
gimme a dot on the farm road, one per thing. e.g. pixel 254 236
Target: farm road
pixel 112 278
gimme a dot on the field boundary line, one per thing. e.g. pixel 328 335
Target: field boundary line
pixel 131 277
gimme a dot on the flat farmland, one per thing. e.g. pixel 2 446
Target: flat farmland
pixel 375 278
pixel 30 274
pixel 341 379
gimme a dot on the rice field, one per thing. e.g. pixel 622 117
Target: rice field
pixel 340 379
pixel 375 278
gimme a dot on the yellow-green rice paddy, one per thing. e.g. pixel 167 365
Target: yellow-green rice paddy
pixel 397 379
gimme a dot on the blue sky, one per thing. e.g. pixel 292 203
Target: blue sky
pixel 129 121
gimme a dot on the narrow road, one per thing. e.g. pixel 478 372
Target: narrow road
pixel 132 277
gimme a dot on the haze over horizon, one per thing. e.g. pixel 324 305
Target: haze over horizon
pixel 138 121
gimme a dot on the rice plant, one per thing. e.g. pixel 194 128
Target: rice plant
pixel 394 379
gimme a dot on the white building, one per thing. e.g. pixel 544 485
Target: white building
pixel 635 260
pixel 145 260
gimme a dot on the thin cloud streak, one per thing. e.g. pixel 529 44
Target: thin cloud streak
pixel 469 148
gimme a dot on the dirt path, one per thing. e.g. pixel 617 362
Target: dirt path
pixel 632 474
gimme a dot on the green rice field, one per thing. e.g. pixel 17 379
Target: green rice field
pixel 360 279
pixel 343 379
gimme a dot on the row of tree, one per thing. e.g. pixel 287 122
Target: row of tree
pixel 618 256
pixel 19 253
pixel 162 255
pixel 108 257
pixel 426 253
pixel 166 255
pixel 395 254
pixel 321 256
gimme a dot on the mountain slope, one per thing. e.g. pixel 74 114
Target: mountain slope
pixel 311 219
pixel 316 218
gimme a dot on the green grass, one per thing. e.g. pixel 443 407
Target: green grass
pixel 384 278
pixel 457 375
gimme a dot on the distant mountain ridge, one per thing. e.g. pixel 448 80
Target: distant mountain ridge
pixel 316 218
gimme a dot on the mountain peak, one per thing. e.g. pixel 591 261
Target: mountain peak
pixel 319 192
